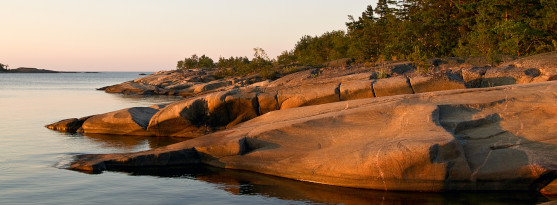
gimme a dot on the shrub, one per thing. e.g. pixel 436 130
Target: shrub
pixel 196 62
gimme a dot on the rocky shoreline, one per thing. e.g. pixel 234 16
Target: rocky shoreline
pixel 388 127
pixel 215 104
pixel 472 73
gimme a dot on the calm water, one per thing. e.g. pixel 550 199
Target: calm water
pixel 32 158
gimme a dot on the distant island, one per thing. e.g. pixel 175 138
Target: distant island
pixel 4 69
pixel 29 70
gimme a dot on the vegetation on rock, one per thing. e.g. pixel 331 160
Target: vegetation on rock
pixel 196 62
pixel 414 30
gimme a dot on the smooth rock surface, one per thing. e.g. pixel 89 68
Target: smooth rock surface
pixel 131 121
pixel 502 138
pixel 357 89
pixel 399 85
pixel 309 94
pixel 510 75
pixel 71 125
pixel 437 82
pixel 545 62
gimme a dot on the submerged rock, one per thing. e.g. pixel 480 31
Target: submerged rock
pixel 501 138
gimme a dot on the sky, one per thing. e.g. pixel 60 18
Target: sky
pixel 152 35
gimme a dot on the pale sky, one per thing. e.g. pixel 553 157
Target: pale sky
pixel 151 35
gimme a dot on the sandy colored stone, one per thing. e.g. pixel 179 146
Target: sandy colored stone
pixel 473 76
pixel 293 79
pixel 309 94
pixel 131 121
pixel 198 116
pixel 184 118
pixel 241 107
pixel 436 82
pixel 398 85
pixel 545 62
pixel 130 88
pixel 185 83
pixel 268 101
pixel 199 88
pixel 68 125
pixel 510 75
pixel 501 138
pixel 359 89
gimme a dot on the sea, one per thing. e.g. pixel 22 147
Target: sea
pixel 34 159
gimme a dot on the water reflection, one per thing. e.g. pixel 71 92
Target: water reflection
pixel 128 142
pixel 155 99
pixel 248 183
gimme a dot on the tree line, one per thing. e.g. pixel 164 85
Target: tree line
pixel 416 30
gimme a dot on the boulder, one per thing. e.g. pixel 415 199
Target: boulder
pixel 545 62
pixel 268 101
pixel 436 82
pixel 308 94
pixel 337 77
pixel 185 83
pixel 199 88
pixel 165 79
pixel 473 76
pixel 264 83
pixel 241 106
pixel 294 79
pixel 180 86
pixel 358 89
pixel 131 121
pixel 183 118
pixel 197 116
pixel 398 85
pixel 131 88
pixel 68 125
pixel 501 138
pixel 508 75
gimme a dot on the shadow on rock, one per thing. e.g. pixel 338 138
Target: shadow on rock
pixel 487 155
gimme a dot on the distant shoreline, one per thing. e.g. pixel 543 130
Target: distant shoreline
pixel 36 70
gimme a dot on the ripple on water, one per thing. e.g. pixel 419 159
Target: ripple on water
pixel 65 160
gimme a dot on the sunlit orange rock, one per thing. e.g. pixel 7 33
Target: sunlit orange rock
pixel 501 138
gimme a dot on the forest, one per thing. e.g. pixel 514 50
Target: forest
pixel 413 30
